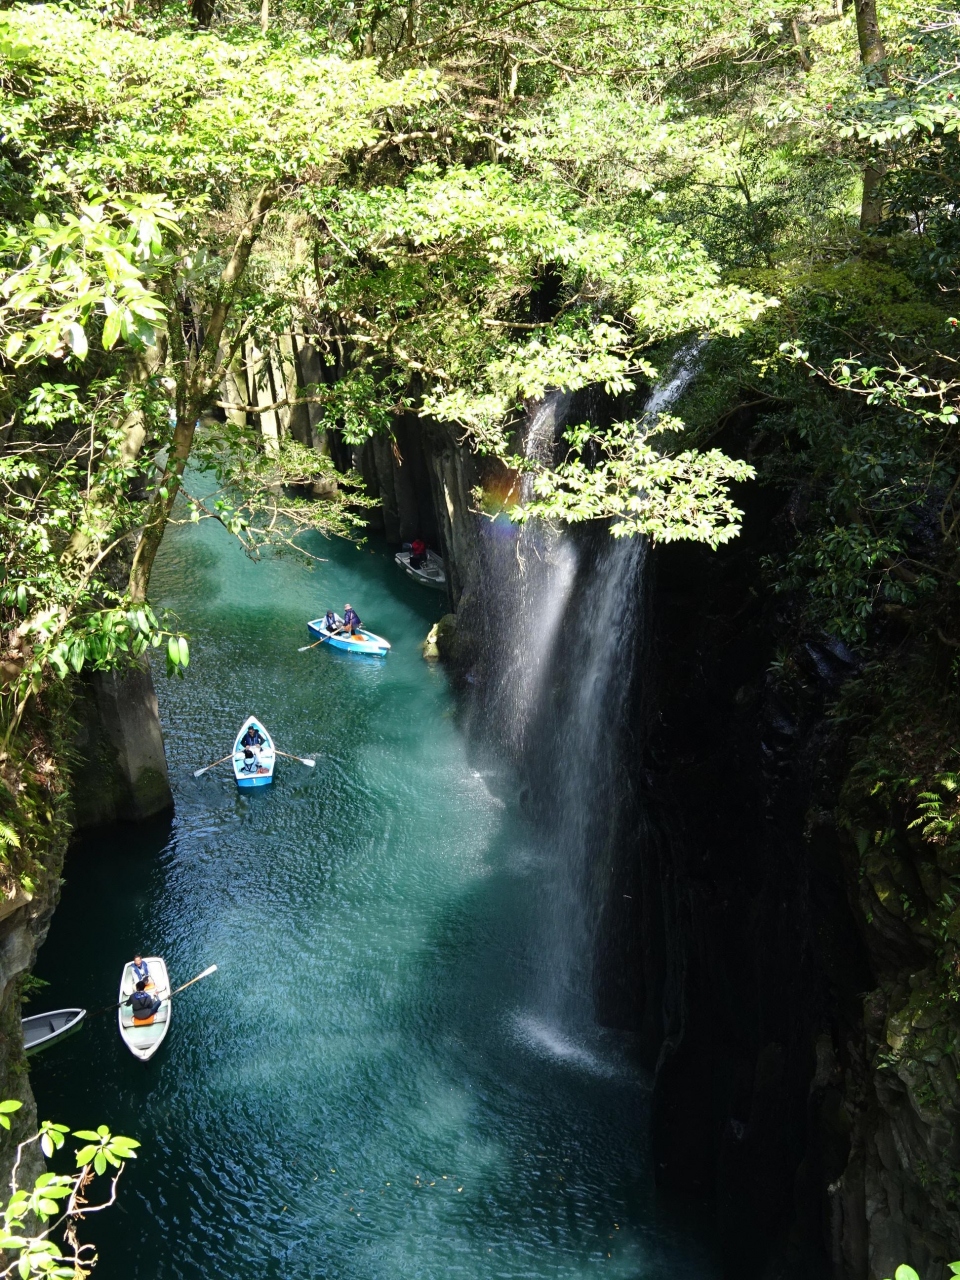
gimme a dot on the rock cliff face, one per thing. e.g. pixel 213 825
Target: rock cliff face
pixel 766 977
pixel 29 889
pixel 24 921
pixel 806 1071
pixel 120 769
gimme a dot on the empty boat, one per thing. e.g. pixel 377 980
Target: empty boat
pixel 41 1029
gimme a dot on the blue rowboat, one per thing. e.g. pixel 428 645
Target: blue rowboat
pixel 253 766
pixel 363 642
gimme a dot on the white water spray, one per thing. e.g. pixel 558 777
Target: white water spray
pixel 570 622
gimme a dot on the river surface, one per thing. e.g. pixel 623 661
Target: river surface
pixel 368 1088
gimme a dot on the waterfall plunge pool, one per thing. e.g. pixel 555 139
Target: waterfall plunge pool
pixel 366 1090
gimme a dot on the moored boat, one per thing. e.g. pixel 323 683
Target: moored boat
pixel 253 766
pixel 429 573
pixel 143 1037
pixel 363 642
pixel 42 1029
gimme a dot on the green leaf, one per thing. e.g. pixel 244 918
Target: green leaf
pixel 173 651
pixel 903 1272
pixel 184 651
pixel 11 1104
pixel 111 329
pixel 87 1134
pixel 100 1162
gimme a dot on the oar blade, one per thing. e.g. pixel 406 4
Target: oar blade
pixel 309 763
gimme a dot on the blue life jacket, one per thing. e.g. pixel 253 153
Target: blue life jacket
pixel 350 618
pixel 140 972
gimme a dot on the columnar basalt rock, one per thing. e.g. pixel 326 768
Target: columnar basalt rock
pixel 120 770
pixel 768 979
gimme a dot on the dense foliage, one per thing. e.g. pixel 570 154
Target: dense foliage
pixel 458 208
pixel 38 1226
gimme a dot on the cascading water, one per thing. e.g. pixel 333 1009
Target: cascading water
pixel 533 571
pixel 565 642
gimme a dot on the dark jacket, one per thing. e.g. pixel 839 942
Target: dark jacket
pixel 143 1004
pixel 252 738
pixel 351 619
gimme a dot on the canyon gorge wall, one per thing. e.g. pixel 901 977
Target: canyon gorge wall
pixel 765 972
pixel 765 976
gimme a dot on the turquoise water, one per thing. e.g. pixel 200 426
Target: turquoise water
pixel 367 1089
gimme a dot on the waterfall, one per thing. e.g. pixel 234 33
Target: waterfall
pixel 565 641
pixel 529 579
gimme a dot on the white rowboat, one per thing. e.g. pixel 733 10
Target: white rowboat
pixel 255 769
pixel 429 573
pixel 41 1029
pixel 144 1040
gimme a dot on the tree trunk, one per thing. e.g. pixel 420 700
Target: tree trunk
pixel 872 50
pixel 871 204
pixel 872 56
pixel 196 395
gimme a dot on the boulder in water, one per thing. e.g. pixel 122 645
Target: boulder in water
pixel 438 645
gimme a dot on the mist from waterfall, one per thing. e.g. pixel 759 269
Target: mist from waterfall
pixel 566 631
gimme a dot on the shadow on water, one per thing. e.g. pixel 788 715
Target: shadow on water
pixel 364 1090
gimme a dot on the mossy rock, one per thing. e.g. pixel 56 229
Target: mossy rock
pixel 438 646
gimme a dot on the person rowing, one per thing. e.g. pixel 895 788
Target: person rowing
pixel 143 1004
pixel 252 738
pixel 351 620
pixel 251 742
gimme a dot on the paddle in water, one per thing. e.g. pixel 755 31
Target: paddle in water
pixel 304 647
pixel 206 974
pixel 197 772
pixel 308 763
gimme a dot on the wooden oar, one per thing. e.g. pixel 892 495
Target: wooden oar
pixel 206 974
pixel 304 647
pixel 119 1005
pixel 197 772
pixel 308 763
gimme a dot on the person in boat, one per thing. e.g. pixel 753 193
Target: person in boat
pixel 141 970
pixel 143 1004
pixel 351 620
pixel 251 742
pixel 418 553
pixel 330 621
